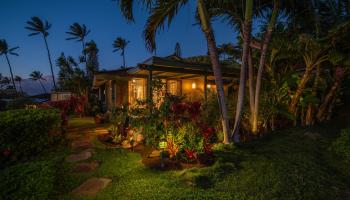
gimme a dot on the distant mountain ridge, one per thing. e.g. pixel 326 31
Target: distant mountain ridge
pixel 31 87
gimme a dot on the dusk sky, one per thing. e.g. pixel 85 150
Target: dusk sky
pixel 104 20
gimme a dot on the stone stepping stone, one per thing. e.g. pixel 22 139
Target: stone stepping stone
pixel 154 154
pixel 86 167
pixel 79 156
pixel 81 145
pixel 92 186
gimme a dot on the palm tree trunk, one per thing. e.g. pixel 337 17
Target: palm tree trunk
pixel 20 86
pixel 42 86
pixel 321 114
pixel 301 86
pixel 265 45
pixel 13 81
pixel 206 27
pixel 311 107
pixel 84 53
pixel 49 55
pixel 251 82
pixel 123 58
pixel 247 28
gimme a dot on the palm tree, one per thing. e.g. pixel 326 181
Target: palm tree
pixel 177 50
pixel 37 26
pixel 79 32
pixel 91 51
pixel 19 80
pixel 4 81
pixel 266 42
pixel 247 29
pixel 38 76
pixel 120 44
pixel 4 50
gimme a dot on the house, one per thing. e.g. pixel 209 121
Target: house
pixel 60 96
pixel 193 80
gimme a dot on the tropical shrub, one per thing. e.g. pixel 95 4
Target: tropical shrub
pixel 24 133
pixel 32 180
pixel 341 146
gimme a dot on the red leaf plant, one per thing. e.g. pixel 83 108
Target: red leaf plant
pixel 194 109
pixel 179 108
pixel 207 135
pixel 78 103
pixel 190 154
pixel 6 152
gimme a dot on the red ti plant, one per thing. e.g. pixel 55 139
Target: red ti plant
pixel 190 154
pixel 179 108
pixel 207 135
pixel 78 103
pixel 194 110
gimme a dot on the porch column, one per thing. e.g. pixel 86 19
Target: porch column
pixel 149 87
pixel 99 93
pixel 205 87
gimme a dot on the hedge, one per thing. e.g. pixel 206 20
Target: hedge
pixel 31 180
pixel 341 146
pixel 25 133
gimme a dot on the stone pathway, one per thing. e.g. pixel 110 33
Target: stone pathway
pixel 82 150
pixel 92 186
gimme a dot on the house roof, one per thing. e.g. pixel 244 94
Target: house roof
pixel 168 67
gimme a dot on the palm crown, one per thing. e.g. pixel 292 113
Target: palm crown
pixel 4 49
pixel 18 78
pixel 37 26
pixel 36 75
pixel 77 32
pixel 120 44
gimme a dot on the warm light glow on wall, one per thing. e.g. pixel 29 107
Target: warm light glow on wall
pixel 208 86
pixel 133 80
pixel 194 85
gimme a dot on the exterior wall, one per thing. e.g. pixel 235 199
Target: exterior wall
pixel 60 96
pixel 122 92
pixel 193 89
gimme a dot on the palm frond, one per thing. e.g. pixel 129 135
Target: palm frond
pixel 161 14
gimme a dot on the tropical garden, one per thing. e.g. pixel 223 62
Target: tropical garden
pixel 283 134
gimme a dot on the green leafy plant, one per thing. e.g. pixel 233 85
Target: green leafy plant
pixel 28 132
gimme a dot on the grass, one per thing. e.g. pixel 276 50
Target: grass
pixel 82 122
pixel 288 164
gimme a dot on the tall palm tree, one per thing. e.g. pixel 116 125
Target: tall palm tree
pixel 177 50
pixel 19 80
pixel 120 44
pixel 163 12
pixel 247 29
pixel 91 52
pixel 38 26
pixel 5 50
pixel 79 32
pixel 38 76
pixel 266 42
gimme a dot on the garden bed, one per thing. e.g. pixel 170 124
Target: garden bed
pixel 154 162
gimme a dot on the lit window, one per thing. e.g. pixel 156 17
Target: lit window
pixel 136 90
pixel 173 87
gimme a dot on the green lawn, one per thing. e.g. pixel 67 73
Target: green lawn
pixel 284 165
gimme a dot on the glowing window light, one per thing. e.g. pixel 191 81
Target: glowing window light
pixel 208 86
pixel 194 85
